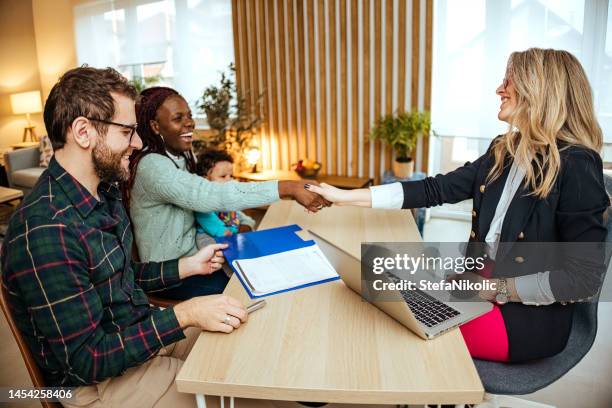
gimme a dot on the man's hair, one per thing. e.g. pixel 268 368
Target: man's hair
pixel 208 159
pixel 83 91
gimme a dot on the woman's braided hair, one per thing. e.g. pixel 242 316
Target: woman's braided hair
pixel 147 105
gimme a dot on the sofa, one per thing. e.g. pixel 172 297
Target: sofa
pixel 23 168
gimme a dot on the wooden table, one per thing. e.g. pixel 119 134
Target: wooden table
pixel 323 343
pixel 337 181
pixel 267 175
pixel 9 194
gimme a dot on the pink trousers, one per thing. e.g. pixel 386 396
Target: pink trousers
pixel 486 336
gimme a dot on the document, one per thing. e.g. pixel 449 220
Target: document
pixel 285 270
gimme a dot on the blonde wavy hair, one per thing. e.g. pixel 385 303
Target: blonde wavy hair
pixel 554 104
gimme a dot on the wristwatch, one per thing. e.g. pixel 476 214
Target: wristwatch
pixel 502 291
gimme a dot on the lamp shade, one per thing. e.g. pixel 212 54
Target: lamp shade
pixel 253 155
pixel 26 102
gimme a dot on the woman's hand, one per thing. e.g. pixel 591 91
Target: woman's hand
pixel 296 190
pixel 487 294
pixel 217 313
pixel 360 197
pixel 206 261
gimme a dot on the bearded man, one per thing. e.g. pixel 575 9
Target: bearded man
pixel 73 290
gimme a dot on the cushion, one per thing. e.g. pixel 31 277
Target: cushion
pixel 46 151
pixel 27 177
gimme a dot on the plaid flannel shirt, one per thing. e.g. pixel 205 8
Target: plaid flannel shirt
pixel 73 289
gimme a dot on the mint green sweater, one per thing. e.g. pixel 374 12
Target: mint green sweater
pixel 164 198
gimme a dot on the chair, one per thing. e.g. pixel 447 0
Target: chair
pixel 36 375
pixel 161 302
pixel 154 300
pixel 529 377
pixel 23 168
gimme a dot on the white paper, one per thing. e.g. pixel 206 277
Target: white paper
pixel 286 270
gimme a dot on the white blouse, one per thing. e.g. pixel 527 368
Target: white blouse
pixel 532 289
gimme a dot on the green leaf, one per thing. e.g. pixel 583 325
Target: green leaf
pixel 401 130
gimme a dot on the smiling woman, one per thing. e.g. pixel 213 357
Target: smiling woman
pixel 541 181
pixel 174 124
pixel 163 190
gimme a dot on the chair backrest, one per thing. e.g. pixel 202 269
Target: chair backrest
pixel 162 302
pixel 20 159
pixel 38 380
pixel 154 300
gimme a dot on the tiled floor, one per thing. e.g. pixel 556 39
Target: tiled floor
pixel 587 385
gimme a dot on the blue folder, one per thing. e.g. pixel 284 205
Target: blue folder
pixel 265 242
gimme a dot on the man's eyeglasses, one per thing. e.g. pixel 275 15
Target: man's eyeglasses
pixel 132 128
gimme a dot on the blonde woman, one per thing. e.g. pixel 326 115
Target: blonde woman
pixel 542 181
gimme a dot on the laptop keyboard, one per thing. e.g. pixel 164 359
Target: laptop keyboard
pixel 427 309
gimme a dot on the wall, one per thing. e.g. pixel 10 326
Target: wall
pixel 19 68
pixel 329 68
pixel 55 43
pixel 37 47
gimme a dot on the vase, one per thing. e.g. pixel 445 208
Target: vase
pixel 403 168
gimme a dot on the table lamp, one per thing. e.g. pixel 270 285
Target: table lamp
pixel 27 102
pixel 252 156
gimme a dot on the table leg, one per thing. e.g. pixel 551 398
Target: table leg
pixel 201 400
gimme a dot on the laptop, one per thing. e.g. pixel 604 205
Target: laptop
pixel 425 313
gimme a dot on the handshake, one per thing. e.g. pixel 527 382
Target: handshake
pixel 300 192
pixel 314 196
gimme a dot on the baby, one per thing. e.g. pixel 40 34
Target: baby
pixel 217 166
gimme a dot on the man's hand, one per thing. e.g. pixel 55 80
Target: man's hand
pixel 206 261
pixel 217 313
pixel 297 191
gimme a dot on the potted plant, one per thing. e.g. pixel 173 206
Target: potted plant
pixel 142 83
pixel 401 131
pixel 232 116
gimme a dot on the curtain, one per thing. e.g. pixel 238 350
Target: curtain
pixel 188 42
pixel 474 38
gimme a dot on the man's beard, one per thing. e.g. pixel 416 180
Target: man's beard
pixel 107 164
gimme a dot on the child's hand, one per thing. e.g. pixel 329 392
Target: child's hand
pixel 244 228
pixel 227 233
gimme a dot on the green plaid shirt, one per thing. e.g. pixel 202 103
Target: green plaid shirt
pixel 73 289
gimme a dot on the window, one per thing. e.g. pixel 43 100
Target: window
pixel 472 42
pixel 186 42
